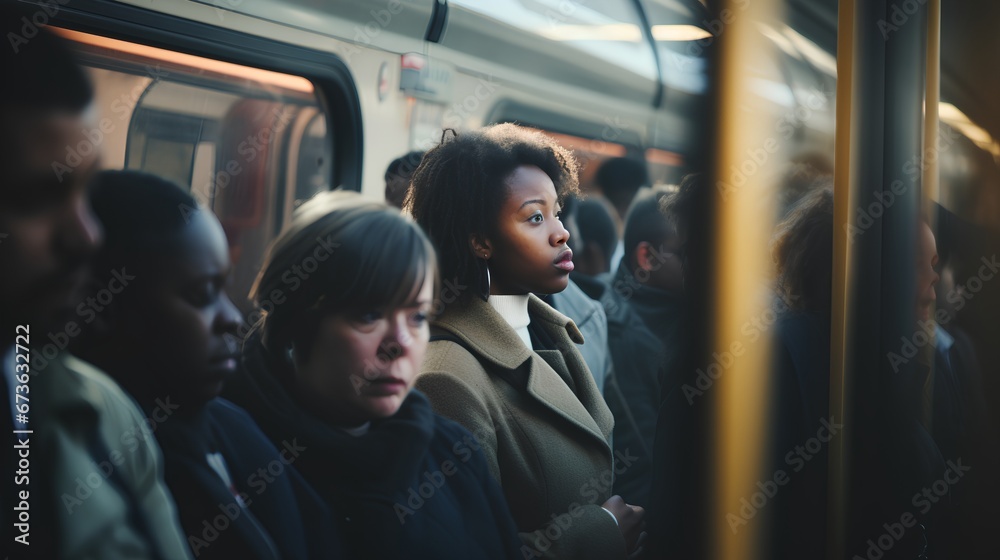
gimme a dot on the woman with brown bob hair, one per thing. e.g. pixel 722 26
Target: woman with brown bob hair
pixel 348 291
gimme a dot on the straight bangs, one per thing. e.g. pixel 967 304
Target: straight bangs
pixel 391 260
pixel 341 254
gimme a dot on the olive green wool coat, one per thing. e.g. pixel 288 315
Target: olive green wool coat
pixel 540 420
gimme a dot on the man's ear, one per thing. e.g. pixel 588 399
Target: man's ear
pixel 592 258
pixel 480 246
pixel 644 255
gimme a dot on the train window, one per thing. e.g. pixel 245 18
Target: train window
pixel 251 144
pixel 590 153
pixel 606 30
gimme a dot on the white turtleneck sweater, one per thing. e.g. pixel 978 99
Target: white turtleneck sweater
pixel 514 310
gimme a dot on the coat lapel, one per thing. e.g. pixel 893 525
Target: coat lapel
pixel 550 373
pixel 549 388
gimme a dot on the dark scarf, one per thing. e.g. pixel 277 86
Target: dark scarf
pixel 382 461
pixel 661 311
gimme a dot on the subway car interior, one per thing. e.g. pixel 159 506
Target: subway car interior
pixel 828 170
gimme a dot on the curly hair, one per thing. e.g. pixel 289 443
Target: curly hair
pixel 462 183
pixel 802 249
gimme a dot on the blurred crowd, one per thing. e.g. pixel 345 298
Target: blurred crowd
pixel 542 409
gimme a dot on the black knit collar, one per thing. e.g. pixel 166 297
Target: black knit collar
pixel 382 459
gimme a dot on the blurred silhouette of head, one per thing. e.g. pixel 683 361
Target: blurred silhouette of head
pixel 926 271
pixel 397 177
pixel 598 237
pixel 169 327
pixel 48 231
pixel 619 179
pixel 687 210
pixel 653 250
pixel 802 248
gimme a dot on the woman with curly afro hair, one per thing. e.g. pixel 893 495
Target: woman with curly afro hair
pixel 502 362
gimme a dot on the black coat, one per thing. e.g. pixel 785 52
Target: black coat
pixel 279 513
pixel 415 486
pixel 633 393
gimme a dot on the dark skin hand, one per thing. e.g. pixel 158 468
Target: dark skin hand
pixel 630 522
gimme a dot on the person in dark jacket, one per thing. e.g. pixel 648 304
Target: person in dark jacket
pixel 643 304
pixel 803 254
pixel 650 277
pixel 167 338
pixel 75 414
pixel 633 394
pixel 598 238
pixel 347 291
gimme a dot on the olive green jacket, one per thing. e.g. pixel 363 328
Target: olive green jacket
pixel 101 469
pixel 540 420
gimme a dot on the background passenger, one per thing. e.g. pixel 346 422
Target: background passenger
pixel 651 275
pixel 168 338
pixel 643 304
pixel 682 453
pixel 803 255
pixel 397 177
pixel 348 289
pixel 620 179
pixel 960 418
pixel 506 365
pixel 77 413
pixel 598 238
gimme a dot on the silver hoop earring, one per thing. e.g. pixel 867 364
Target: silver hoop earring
pixel 484 275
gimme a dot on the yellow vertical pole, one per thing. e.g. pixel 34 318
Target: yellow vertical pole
pixel 743 263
